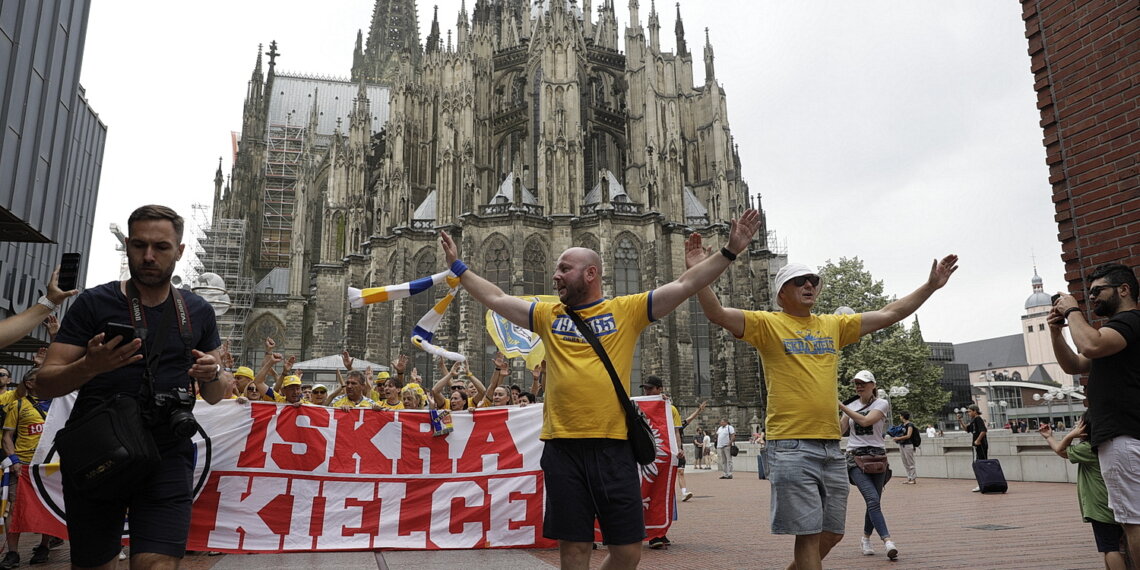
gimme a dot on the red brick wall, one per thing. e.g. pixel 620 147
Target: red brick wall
pixel 1086 66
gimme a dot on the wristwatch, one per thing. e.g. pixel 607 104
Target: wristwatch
pixel 43 300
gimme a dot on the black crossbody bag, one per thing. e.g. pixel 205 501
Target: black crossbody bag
pixel 640 435
pixel 111 448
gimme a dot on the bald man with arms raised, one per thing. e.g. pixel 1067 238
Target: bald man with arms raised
pixel 586 456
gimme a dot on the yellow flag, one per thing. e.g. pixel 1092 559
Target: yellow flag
pixel 514 341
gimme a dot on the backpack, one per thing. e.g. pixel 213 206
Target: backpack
pixel 915 436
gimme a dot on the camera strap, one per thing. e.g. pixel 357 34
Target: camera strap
pixel 158 343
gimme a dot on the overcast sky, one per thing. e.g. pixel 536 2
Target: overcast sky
pixel 896 132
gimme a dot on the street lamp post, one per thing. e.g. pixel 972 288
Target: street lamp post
pixel 1048 397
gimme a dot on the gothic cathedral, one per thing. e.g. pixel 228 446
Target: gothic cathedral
pixel 531 131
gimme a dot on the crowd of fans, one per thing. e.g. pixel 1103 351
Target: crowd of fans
pixel 401 389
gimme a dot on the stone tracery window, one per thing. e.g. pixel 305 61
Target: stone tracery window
pixel 536 270
pixel 627 272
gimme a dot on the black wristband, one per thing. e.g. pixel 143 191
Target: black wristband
pixel 1071 309
pixel 731 256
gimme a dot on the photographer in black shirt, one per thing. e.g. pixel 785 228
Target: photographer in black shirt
pixel 102 366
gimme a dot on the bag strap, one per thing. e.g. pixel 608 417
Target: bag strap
pixel 588 334
pixel 158 344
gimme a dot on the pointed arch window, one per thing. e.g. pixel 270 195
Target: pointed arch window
pixel 536 275
pixel 627 281
pixel 627 272
pixel 497 270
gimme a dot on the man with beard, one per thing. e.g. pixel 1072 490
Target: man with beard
pixel 1110 355
pixel 800 355
pixel 584 429
pixel 84 358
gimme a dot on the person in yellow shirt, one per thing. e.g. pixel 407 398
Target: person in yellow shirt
pixel 800 355
pixel 354 386
pixel 24 419
pixel 378 386
pixel 585 433
pixel 320 395
pixel 290 391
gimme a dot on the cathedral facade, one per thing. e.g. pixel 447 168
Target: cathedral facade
pixel 533 129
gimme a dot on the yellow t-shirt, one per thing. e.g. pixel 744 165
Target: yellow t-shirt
pixel 676 417
pixel 365 402
pixel 580 400
pixel 22 417
pixel 383 403
pixel 7 397
pixel 800 356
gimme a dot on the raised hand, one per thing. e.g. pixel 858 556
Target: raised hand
pixel 450 250
pixel 940 271
pixel 54 293
pixel 270 344
pixel 500 361
pixel 400 363
pixel 346 359
pixel 695 251
pixel 51 323
pixel 743 230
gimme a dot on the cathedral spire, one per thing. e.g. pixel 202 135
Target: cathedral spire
pixel 679 29
pixel 256 79
pixel 218 181
pixel 394 31
pixel 654 28
pixel 710 72
pixel 432 45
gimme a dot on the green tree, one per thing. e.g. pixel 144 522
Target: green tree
pixel 896 355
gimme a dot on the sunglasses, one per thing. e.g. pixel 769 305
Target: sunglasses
pixel 799 281
pixel 5 375
pixel 1095 291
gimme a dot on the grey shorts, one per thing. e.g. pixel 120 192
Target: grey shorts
pixel 1120 465
pixel 809 486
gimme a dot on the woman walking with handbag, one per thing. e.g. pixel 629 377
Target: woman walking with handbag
pixel 867 457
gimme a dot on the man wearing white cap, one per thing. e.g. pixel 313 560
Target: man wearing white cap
pixel 800 355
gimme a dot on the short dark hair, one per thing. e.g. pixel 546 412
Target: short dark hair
pixel 905 415
pixel 156 212
pixel 529 397
pixel 1117 274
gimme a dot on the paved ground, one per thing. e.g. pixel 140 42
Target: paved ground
pixel 938 523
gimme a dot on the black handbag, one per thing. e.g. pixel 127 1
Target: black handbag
pixel 109 445
pixel 640 435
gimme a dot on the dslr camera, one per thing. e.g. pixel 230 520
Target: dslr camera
pixel 176 406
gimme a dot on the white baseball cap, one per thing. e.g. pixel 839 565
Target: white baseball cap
pixel 864 376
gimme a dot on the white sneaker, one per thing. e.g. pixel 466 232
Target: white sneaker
pixel 688 495
pixel 123 554
pixel 868 548
pixel 892 550
pixel 976 490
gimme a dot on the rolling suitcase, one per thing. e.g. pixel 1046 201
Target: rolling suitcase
pixel 990 477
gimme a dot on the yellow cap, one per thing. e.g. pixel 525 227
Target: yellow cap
pixel 291 380
pixel 244 371
pixel 383 376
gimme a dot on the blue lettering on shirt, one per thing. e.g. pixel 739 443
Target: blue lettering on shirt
pixel 602 325
pixel 810 344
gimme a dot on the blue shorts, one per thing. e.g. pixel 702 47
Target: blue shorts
pixel 588 479
pixel 809 486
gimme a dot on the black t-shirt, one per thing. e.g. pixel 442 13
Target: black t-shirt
pixel 104 304
pixel 1114 384
pixel 978 425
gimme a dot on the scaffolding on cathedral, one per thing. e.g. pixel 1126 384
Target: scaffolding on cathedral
pixel 282 170
pixel 223 252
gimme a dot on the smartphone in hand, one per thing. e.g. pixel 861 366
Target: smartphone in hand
pixel 69 271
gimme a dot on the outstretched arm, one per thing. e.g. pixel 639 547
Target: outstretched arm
pixel 15 327
pixel 731 319
pixel 510 307
pixel 668 296
pixel 940 272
